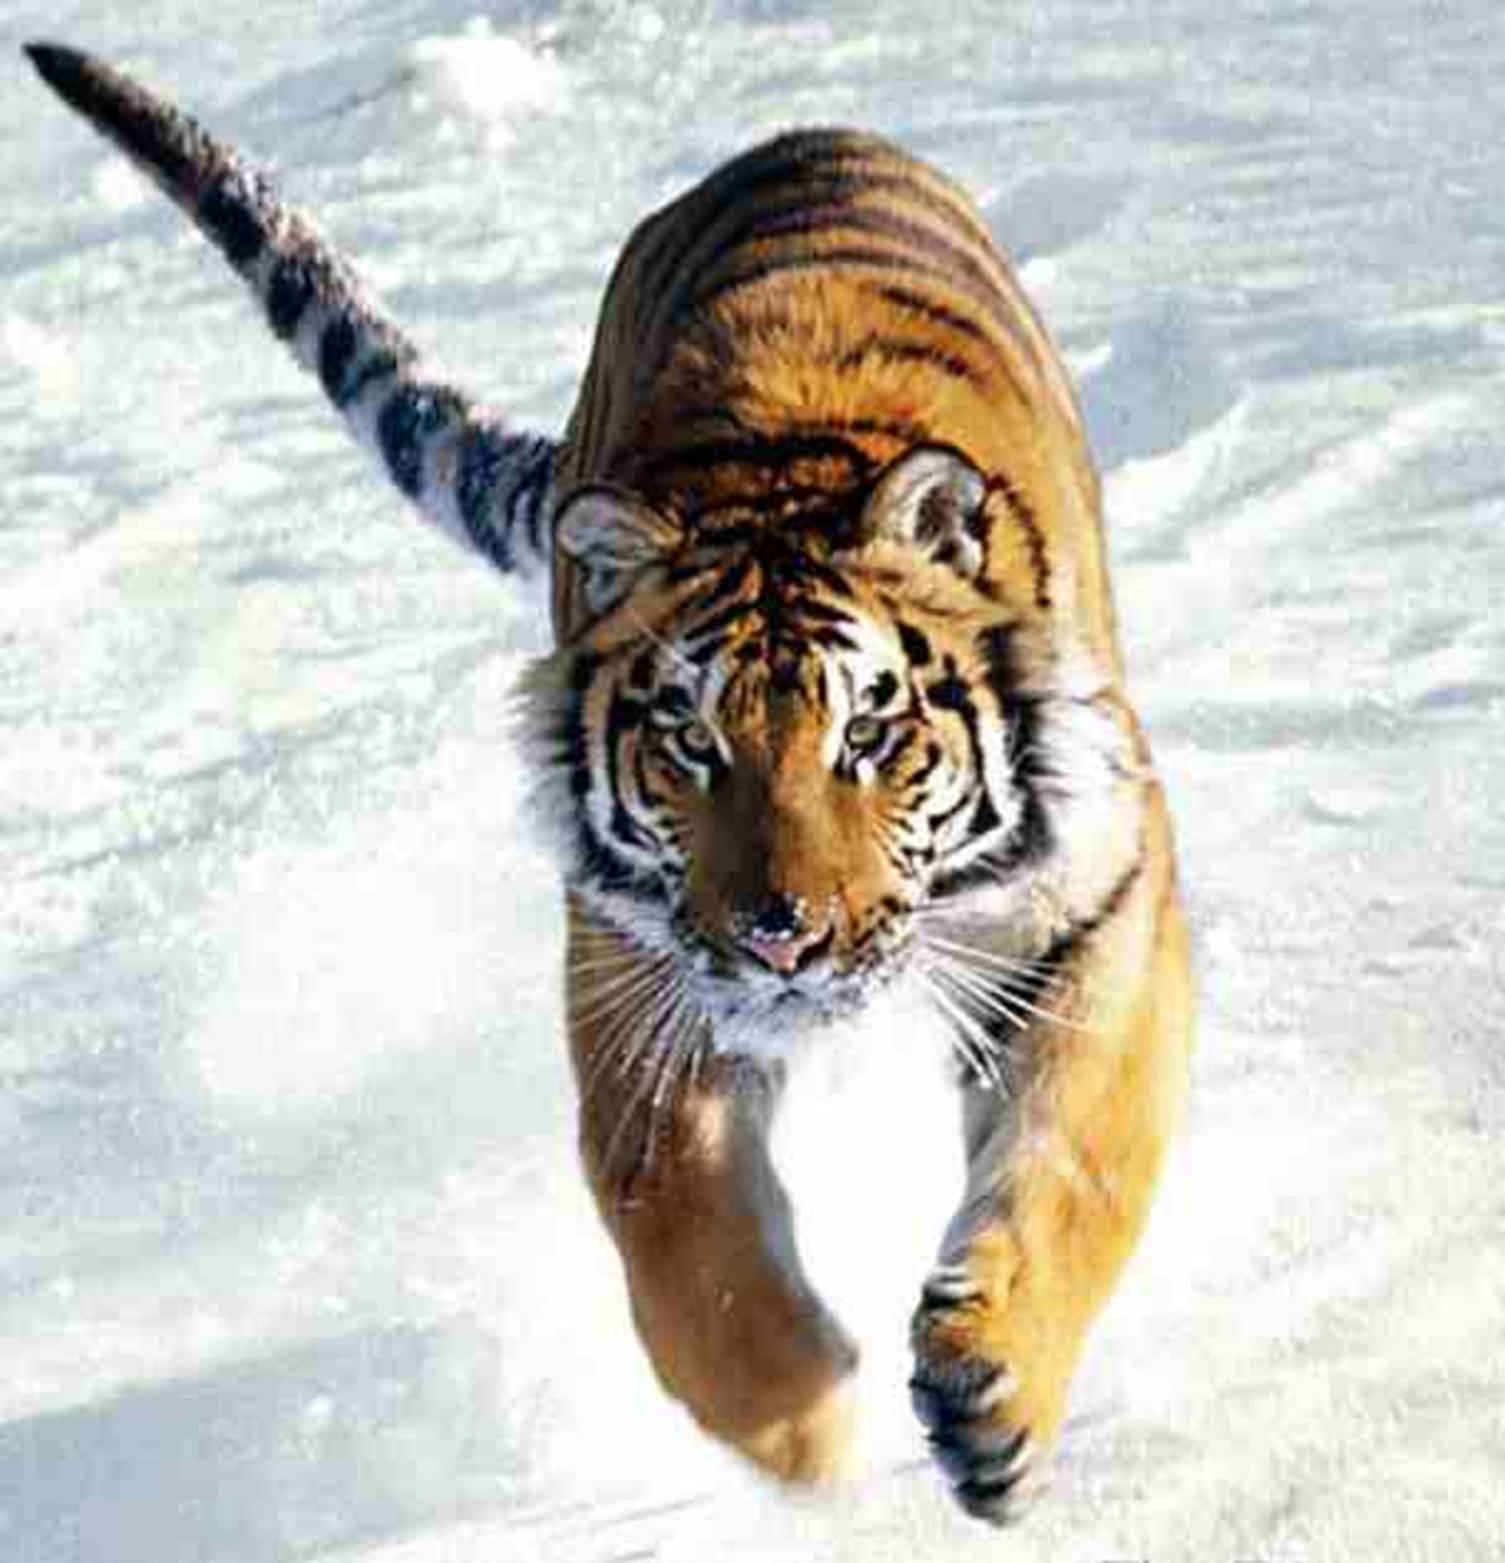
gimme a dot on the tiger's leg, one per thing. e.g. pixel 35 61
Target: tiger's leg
pixel 1059 1185
pixel 683 1180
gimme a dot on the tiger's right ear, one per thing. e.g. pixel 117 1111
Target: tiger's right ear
pixel 611 536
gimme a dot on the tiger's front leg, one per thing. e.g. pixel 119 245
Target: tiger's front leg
pixel 1060 1179
pixel 679 1165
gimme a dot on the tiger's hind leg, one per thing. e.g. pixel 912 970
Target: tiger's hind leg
pixel 684 1182
pixel 1059 1186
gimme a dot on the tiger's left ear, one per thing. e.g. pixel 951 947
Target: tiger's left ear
pixel 612 536
pixel 931 498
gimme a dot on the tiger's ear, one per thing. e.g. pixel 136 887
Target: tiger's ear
pixel 931 498
pixel 611 536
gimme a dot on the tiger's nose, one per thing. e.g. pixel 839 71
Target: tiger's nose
pixel 783 938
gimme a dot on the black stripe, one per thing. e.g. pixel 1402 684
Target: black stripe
pixel 767 452
pixel 817 572
pixel 410 417
pixel 806 162
pixel 337 349
pixel 932 310
pixel 730 536
pixel 810 504
pixel 742 204
pixel 1034 539
pixel 730 581
pixel 987 818
pixel 232 216
pixel 601 865
pixel 842 258
pixel 651 797
pixel 707 629
pixel 576 757
pixel 934 754
pixel 952 693
pixel 813 609
pixel 948 692
pixel 808 218
pixel 891 350
pixel 622 714
pixel 915 646
pixel 1025 715
pixel 640 674
pixel 532 484
pixel 936 823
pixel 1031 985
pixel 904 430
pixel 483 453
pixel 289 293
pixel 384 364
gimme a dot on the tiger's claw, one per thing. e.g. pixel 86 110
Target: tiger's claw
pixel 987 1460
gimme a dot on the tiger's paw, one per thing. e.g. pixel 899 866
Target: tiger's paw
pixel 812 1447
pixel 969 1405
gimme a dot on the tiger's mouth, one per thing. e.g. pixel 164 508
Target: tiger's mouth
pixel 737 998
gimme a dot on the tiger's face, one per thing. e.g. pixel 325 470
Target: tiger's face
pixel 777 749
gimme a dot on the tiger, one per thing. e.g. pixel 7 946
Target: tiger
pixel 835 701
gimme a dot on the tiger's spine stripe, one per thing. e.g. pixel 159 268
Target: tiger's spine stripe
pixel 481 483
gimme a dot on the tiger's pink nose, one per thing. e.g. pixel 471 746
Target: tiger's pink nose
pixel 786 949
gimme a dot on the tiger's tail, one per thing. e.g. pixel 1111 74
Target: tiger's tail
pixel 487 486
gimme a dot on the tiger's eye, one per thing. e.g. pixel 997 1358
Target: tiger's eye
pixel 696 740
pixel 865 734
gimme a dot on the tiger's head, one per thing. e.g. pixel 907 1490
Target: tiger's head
pixel 776 746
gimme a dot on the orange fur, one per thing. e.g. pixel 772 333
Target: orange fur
pixel 714 338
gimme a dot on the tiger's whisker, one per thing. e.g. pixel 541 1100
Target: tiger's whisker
pixel 627 1035
pixel 628 1019
pixel 608 996
pixel 976 1049
pixel 992 990
pixel 648 1061
pixel 980 1007
pixel 1023 967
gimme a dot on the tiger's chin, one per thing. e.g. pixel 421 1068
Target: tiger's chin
pixel 767 1019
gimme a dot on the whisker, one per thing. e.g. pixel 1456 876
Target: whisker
pixel 987 1002
pixel 981 1004
pixel 981 954
pixel 652 1056
pixel 976 1050
pixel 683 1041
pixel 997 987
pixel 608 996
pixel 629 1032
pixel 1024 966
pixel 581 965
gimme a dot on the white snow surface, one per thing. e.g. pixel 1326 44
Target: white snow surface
pixel 295 1261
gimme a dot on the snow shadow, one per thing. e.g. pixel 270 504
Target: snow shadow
pixel 280 1458
pixel 1160 385
pixel 1045 214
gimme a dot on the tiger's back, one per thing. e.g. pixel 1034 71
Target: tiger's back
pixel 805 315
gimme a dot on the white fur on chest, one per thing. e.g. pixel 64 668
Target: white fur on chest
pixel 868 1143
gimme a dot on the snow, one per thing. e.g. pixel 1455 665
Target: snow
pixel 294 1258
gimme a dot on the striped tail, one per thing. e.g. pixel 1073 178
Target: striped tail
pixel 483 484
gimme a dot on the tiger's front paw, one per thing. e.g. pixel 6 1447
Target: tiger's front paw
pixel 811 1447
pixel 969 1403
